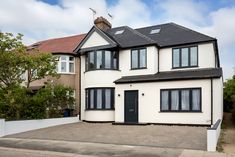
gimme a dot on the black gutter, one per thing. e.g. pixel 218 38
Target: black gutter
pixel 211 101
pixel 80 82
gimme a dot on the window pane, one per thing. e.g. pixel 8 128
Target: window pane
pixel 63 67
pixel 91 99
pixel 193 56
pixel 185 99
pixel 176 58
pixel 63 58
pixel 184 57
pixel 107 98
pixel 99 99
pixel 174 100
pixel 71 58
pixel 115 60
pixel 107 59
pixel 98 59
pixel 142 58
pixel 71 67
pixel 196 99
pixel 165 102
pixel 91 60
pixel 134 59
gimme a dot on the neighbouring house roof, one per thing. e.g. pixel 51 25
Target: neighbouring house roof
pixel 59 45
pixel 173 75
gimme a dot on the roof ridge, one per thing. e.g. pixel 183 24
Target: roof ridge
pixel 183 27
pixel 154 25
pixel 140 34
pixel 57 38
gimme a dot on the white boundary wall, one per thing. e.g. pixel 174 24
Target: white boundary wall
pixel 13 127
pixel 213 135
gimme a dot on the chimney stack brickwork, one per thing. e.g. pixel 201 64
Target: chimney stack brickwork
pixel 102 23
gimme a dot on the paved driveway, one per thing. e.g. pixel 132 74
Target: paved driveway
pixel 150 135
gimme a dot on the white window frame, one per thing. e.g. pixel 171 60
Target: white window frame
pixel 67 64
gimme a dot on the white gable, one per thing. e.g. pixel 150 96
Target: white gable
pixel 95 40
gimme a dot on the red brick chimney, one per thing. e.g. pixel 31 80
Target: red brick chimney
pixel 102 23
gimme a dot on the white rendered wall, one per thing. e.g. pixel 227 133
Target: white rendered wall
pixel 149 104
pixel 206 58
pixel 217 99
pixel 125 62
pixel 104 115
pixel 95 40
pixel 95 79
pixel 13 127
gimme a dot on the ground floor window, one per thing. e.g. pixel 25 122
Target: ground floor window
pixel 181 100
pixel 99 98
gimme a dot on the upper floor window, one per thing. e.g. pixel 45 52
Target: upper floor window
pixel 183 100
pixel 65 64
pixel 101 60
pixel 185 57
pixel 138 58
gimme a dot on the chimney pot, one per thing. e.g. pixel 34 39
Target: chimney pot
pixel 102 23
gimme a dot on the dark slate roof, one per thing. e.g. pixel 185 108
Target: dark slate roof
pixel 173 75
pixel 129 37
pixel 170 34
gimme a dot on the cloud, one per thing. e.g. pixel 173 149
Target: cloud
pixel 38 20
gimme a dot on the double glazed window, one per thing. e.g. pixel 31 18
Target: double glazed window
pixel 101 60
pixel 65 64
pixel 173 100
pixel 185 57
pixel 138 58
pixel 99 98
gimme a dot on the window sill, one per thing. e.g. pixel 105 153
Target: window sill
pixel 102 69
pixel 185 67
pixel 180 112
pixel 138 68
pixel 99 109
pixel 65 73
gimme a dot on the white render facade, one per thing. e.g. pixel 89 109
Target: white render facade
pixel 154 91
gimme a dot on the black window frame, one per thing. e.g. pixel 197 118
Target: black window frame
pixel 180 100
pixel 180 57
pixel 87 60
pixel 87 98
pixel 138 59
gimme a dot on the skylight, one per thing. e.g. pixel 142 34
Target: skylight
pixel 119 31
pixel 155 31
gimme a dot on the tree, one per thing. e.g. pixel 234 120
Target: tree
pixel 12 59
pixel 229 94
pixel 39 65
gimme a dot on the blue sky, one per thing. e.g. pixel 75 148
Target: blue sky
pixel 43 19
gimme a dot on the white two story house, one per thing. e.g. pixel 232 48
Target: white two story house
pixel 162 74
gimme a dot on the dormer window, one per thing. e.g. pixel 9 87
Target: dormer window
pixel 101 59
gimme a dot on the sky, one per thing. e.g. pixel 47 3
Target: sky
pixel 44 19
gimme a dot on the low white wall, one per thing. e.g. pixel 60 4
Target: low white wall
pixel 13 127
pixel 213 135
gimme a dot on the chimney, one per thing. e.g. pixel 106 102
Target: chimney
pixel 102 23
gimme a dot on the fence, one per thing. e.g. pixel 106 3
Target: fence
pixel 13 127
pixel 213 134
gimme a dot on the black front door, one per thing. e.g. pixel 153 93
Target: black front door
pixel 131 106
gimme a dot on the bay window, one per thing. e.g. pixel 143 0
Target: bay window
pixel 181 100
pixel 66 64
pixel 102 59
pixel 100 98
